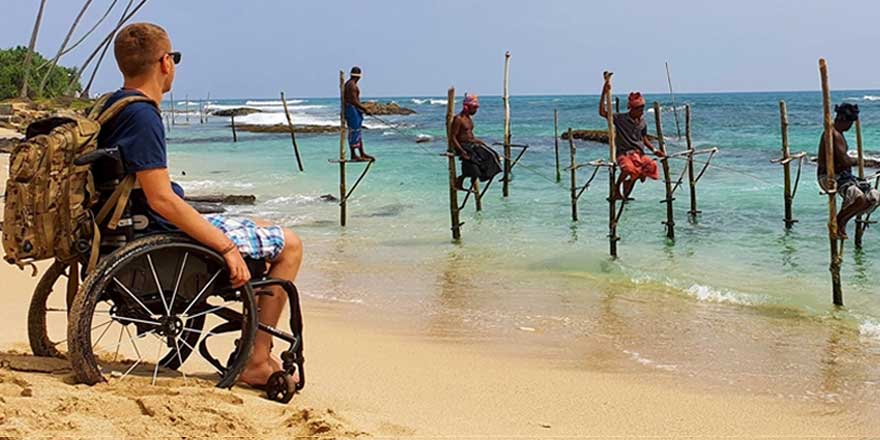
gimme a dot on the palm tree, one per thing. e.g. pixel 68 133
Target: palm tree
pixel 29 55
pixel 63 46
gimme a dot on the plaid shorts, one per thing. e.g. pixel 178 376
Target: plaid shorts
pixel 254 242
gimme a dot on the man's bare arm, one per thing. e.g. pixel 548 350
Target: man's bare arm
pixel 841 155
pixel 602 110
pixel 647 142
pixel 156 185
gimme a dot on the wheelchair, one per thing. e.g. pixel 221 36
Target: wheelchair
pixel 159 288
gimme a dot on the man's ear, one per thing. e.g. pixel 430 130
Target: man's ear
pixel 165 64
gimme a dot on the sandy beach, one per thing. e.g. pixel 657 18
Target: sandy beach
pixel 375 381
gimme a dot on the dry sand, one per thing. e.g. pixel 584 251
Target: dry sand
pixel 365 381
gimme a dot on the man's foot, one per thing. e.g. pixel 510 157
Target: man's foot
pixel 363 158
pixel 256 375
pixel 367 157
pixel 841 234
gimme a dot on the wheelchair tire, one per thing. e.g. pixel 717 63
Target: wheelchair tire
pixel 125 263
pixel 38 334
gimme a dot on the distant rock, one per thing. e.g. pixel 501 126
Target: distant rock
pixel 389 108
pixel 225 199
pixel 600 136
pixel 238 111
pixel 329 198
pixel 283 128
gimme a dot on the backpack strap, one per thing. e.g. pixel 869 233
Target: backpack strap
pixel 116 203
pixel 110 112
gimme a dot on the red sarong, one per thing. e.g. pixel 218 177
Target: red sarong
pixel 638 166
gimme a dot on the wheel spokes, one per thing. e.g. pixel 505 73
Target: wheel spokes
pixel 179 277
pixel 202 292
pixel 158 284
pixel 133 296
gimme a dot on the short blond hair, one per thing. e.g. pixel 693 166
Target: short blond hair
pixel 138 46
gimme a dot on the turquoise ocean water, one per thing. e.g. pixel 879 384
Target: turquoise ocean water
pixel 733 280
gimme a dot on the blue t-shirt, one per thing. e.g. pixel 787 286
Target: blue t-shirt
pixel 139 134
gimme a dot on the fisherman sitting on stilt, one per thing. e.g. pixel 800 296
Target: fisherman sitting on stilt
pixel 354 117
pixel 859 197
pixel 478 161
pixel 631 134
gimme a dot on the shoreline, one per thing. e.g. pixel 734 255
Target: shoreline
pixel 369 378
pixel 419 378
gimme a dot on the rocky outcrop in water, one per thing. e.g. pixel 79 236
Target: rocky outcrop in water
pixel 238 111
pixel 388 108
pixel 283 128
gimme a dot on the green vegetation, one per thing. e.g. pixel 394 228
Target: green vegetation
pixel 12 71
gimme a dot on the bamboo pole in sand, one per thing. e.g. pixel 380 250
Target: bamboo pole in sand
pixel 450 153
pixel 556 141
pixel 292 133
pixel 836 253
pixel 670 215
pixel 860 221
pixel 572 153
pixel 507 164
pixel 692 182
pixel 612 173
pixel 786 165
pixel 234 134
pixel 342 129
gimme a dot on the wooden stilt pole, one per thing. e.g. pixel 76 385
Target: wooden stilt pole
pixel 692 183
pixel 572 152
pixel 234 134
pixel 507 163
pixel 453 193
pixel 556 142
pixel 786 165
pixel 342 131
pixel 173 121
pixel 612 174
pixel 837 293
pixel 617 104
pixel 670 215
pixel 478 196
pixel 207 101
pixel 292 134
pixel 672 95
pixel 860 220
pixel 186 106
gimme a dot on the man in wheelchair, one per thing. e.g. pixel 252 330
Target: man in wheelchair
pixel 147 61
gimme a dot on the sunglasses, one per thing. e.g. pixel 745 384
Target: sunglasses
pixel 175 56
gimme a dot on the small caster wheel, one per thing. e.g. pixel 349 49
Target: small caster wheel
pixel 280 387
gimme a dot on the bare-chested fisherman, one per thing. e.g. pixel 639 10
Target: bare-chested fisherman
pixel 354 117
pixel 478 161
pixel 859 197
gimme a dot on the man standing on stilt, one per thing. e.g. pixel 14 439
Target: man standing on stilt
pixel 354 117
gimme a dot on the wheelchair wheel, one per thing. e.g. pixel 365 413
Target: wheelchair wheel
pixel 47 318
pixel 146 305
pixel 47 315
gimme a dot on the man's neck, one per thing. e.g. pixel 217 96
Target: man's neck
pixel 148 89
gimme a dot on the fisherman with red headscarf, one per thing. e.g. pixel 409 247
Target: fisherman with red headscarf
pixel 631 132
pixel 478 161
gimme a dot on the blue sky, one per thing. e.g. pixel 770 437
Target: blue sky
pixel 419 48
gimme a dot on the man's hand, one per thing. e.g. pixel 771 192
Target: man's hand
pixel 658 152
pixel 239 274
